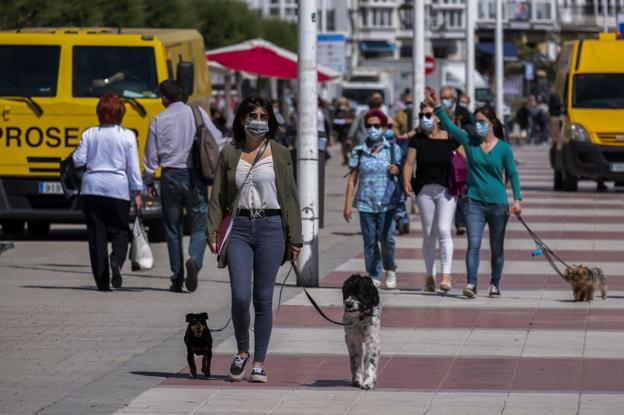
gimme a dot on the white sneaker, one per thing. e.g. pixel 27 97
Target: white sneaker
pixel 391 282
pixel 376 282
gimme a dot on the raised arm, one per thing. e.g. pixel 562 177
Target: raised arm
pixel 457 133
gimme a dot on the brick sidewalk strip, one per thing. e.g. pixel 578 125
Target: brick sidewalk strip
pixel 430 373
pixel 415 281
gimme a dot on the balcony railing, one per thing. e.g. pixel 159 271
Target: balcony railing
pixel 588 17
pixel 535 11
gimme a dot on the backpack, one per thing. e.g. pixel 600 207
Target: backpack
pixel 205 150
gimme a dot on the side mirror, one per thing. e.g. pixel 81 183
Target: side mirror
pixel 185 77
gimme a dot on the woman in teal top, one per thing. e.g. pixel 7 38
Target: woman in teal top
pixel 488 158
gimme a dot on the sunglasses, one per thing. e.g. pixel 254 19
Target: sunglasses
pixel 422 115
pixel 373 125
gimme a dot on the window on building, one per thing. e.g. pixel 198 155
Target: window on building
pixel 331 20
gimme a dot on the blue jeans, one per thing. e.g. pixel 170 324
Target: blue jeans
pixel 477 215
pixel 254 253
pixel 178 190
pixel 460 214
pixel 378 229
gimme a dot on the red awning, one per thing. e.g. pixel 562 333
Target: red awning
pixel 265 59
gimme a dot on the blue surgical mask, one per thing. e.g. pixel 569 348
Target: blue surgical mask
pixel 482 129
pixel 374 134
pixel 389 134
pixel 427 124
pixel 447 103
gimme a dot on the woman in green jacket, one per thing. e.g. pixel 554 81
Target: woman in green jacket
pixel 255 183
pixel 488 158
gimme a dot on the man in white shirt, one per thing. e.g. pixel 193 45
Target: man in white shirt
pixel 169 144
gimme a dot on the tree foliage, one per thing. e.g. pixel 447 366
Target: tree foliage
pixel 221 22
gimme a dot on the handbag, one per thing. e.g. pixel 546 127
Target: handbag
pixel 458 174
pixel 141 256
pixel 394 190
pixel 227 221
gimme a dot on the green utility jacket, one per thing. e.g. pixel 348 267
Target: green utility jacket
pixel 224 191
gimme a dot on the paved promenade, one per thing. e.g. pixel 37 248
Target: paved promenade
pixel 532 351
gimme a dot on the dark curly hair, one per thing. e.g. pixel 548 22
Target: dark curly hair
pixel 248 105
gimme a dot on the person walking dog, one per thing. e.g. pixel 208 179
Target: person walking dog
pixel 255 184
pixel 375 163
pixel 489 157
pixel 112 176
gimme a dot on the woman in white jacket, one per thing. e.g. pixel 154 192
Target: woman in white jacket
pixel 110 154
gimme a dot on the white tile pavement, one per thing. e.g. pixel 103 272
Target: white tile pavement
pixel 197 400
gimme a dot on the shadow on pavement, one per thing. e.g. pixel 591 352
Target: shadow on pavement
pixel 179 376
pixel 331 383
pixel 93 288
pixel 54 235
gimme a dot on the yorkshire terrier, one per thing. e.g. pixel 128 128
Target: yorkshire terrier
pixel 585 281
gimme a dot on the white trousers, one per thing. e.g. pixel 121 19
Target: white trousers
pixel 437 209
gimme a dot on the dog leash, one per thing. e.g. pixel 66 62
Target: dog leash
pixel 548 253
pixel 314 303
pixel 222 328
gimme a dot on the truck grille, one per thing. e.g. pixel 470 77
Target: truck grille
pixel 611 138
pixel 44 164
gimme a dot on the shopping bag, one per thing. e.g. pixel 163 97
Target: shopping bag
pixel 141 256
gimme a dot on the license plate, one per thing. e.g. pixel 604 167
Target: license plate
pixel 50 188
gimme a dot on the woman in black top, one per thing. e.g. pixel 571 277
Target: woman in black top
pixel 431 149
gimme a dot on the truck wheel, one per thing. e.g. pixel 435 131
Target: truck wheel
pixel 13 227
pixel 570 182
pixel 38 229
pixel 558 180
pixel 156 231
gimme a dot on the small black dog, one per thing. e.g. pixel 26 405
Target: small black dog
pixel 198 341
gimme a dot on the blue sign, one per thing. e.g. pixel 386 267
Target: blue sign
pixel 331 51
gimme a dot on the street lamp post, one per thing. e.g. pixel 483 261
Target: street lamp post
pixel 470 50
pixel 498 40
pixel 307 146
pixel 417 23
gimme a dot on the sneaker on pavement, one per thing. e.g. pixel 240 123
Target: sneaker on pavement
pixel 430 284
pixel 376 282
pixel 116 280
pixel 470 291
pixel 192 269
pixel 494 292
pixel 258 375
pixel 176 286
pixel 391 282
pixel 237 368
pixel 447 283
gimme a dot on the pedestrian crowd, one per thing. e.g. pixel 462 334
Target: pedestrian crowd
pixel 455 165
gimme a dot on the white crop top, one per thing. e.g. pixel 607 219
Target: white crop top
pixel 260 191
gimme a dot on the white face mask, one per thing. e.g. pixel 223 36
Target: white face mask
pixel 257 129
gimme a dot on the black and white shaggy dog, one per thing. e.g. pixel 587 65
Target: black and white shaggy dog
pixel 362 329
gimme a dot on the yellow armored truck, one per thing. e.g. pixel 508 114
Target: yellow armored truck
pixel 50 83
